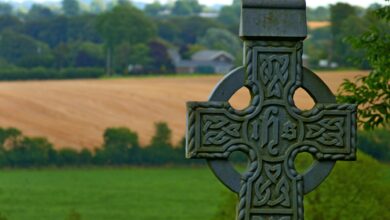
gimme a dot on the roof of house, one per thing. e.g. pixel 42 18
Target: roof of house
pixel 194 64
pixel 209 55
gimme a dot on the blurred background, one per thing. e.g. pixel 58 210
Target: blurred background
pixel 92 99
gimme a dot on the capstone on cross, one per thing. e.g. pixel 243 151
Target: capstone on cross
pixel 272 130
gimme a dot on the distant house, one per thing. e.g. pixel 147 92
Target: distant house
pixel 205 61
pixel 211 14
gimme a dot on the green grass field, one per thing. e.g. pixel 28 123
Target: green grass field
pixel 387 175
pixel 143 193
pixel 103 193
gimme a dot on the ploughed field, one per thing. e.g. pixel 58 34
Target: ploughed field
pixel 104 193
pixel 75 113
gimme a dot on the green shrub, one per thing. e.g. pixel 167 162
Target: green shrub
pixel 160 150
pixel 68 157
pixel 120 147
pixel 30 152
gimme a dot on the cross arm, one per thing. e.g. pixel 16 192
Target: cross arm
pixel 330 131
pixel 212 130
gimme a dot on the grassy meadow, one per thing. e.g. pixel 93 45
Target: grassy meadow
pixel 134 193
pixel 104 193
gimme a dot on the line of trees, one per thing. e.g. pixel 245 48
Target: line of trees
pixel 122 39
pixel 120 147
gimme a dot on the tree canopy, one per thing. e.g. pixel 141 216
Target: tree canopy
pixel 372 92
pixel 71 7
pixel 121 25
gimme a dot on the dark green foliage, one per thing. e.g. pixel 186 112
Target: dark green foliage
pixel 353 191
pixel 154 9
pixel 50 31
pixel 192 28
pixel 39 12
pixel 30 152
pixel 119 148
pixel 186 7
pixel 78 54
pixel 160 60
pixel 61 29
pixel 8 138
pixel 230 16
pixel 97 6
pixel 70 7
pixel 127 54
pixel 339 13
pixel 168 30
pixel 318 14
pixel 318 46
pixel 88 54
pixel 376 143
pixel 67 157
pixel 109 35
pixel 5 8
pixel 121 25
pixel 221 39
pixel 160 149
pixel 85 157
pixel 372 93
pixel 184 31
pixel 44 73
pixel 162 136
pixel 10 22
pixel 8 134
pixel 23 50
pixel 120 137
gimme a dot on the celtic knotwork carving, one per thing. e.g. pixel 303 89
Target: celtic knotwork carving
pixel 272 187
pixel 218 130
pixel 274 73
pixel 328 131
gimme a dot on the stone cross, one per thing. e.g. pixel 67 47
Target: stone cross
pixel 271 131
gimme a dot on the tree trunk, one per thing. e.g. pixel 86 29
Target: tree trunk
pixel 109 61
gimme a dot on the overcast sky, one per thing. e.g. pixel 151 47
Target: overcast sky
pixel 310 3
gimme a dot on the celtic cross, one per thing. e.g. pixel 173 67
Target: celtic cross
pixel 271 131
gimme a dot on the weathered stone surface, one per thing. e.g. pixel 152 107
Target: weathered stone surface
pixel 271 131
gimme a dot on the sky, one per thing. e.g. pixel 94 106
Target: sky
pixel 310 3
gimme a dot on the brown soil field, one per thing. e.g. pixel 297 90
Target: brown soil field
pixel 75 113
pixel 318 24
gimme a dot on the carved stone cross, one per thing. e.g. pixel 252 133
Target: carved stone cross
pixel 272 130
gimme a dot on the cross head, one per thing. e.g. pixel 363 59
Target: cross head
pixel 271 131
